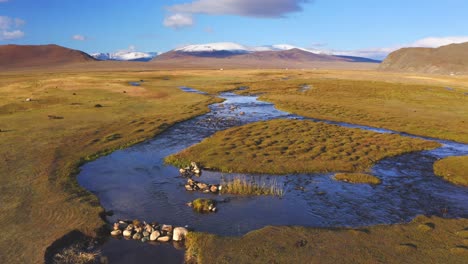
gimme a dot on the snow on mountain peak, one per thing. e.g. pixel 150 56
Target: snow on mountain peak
pixel 212 47
pixel 125 55
pixel 238 48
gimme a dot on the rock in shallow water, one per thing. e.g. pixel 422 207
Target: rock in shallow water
pixel 137 236
pixel 179 233
pixel 166 228
pixel 116 232
pixel 127 233
pixel 164 239
pixel 154 235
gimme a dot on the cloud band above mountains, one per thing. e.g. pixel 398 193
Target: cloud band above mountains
pixel 380 53
pixel 182 14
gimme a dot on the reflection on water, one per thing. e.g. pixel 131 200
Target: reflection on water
pixel 135 183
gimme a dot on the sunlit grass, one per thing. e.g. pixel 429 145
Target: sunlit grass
pixel 357 178
pixel 242 186
pixel 294 146
pixel 453 169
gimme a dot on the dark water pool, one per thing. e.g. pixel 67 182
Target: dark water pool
pixel 135 183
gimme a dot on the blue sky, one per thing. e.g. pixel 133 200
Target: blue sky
pixel 358 26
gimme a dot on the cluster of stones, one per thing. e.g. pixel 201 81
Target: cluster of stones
pixel 148 232
pixel 190 171
pixel 202 187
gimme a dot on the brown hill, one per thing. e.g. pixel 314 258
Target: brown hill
pixel 19 56
pixel 294 58
pixel 444 60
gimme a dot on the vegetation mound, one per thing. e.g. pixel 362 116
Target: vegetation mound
pixel 357 178
pixel 294 146
pixel 453 169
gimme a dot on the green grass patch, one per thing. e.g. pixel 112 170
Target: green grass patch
pixel 242 186
pixel 357 178
pixel 453 169
pixel 202 205
pixel 294 146
pixel 399 243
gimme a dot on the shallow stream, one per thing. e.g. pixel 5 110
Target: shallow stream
pixel 136 184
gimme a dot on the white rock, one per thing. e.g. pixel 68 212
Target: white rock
pixel 154 235
pixel 116 232
pixel 127 233
pixel 164 239
pixel 179 233
pixel 28 99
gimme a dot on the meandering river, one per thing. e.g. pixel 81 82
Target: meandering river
pixel 136 184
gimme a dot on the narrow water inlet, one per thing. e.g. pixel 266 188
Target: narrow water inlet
pixel 136 184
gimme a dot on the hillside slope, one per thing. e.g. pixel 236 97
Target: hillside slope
pixel 18 56
pixel 443 60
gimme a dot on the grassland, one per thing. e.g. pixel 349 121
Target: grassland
pixel 424 240
pixel 40 200
pixel 357 178
pixel 426 105
pixel 293 146
pixel 453 169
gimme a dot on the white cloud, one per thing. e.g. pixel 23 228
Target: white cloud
pixel 381 53
pixel 9 28
pixel 9 35
pixel 3 1
pixel 257 8
pixel 5 22
pixel 178 21
pixel 79 37
pixel 181 14
pixel 435 42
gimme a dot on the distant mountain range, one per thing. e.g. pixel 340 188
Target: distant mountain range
pixel 214 55
pixel 213 50
pixel 126 56
pixel 450 59
pixel 227 54
pixel 18 56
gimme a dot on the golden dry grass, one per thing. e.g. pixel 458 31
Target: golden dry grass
pixel 40 200
pixel 357 178
pixel 424 240
pixel 453 169
pixel 242 186
pixel 293 146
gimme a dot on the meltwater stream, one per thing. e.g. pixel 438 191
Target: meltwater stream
pixel 136 184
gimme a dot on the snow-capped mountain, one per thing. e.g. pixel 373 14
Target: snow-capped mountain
pixel 232 47
pixel 229 49
pixel 126 56
pixel 215 47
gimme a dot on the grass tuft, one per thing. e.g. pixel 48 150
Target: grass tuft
pixel 357 178
pixel 76 255
pixel 241 186
pixel 202 205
